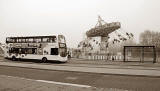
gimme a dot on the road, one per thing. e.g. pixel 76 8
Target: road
pixel 134 83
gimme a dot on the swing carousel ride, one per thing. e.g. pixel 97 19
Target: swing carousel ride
pixel 97 38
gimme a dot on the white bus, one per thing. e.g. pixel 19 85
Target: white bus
pixel 41 48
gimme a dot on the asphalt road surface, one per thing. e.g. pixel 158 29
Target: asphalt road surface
pixel 91 79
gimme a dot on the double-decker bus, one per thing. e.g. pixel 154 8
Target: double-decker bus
pixel 41 48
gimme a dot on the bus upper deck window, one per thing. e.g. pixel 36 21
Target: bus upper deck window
pixel 23 40
pixel 10 40
pixel 45 39
pixel 30 40
pixel 52 40
pixel 14 40
pixel 19 40
pixel 38 40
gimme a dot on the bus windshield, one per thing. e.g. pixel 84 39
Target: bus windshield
pixel 61 39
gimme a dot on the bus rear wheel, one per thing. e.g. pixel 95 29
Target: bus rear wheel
pixel 44 59
pixel 14 58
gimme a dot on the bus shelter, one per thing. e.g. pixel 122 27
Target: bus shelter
pixel 139 53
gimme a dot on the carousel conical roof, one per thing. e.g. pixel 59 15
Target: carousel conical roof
pixel 103 29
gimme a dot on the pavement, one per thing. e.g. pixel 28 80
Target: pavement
pixel 128 70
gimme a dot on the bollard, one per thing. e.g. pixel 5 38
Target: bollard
pixel 97 57
pixel 88 57
pixel 105 58
pixel 111 57
pixel 94 57
pixel 120 57
pixel 101 57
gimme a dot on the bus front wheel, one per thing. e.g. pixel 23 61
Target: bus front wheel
pixel 44 59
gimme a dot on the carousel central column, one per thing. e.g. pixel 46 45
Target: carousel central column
pixel 104 44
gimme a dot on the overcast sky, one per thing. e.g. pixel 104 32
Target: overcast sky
pixel 73 18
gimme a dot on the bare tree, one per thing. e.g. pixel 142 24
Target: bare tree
pixel 150 38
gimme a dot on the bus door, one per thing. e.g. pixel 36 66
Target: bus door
pixel 62 49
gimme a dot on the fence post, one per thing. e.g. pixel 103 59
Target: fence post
pixel 154 50
pixel 124 54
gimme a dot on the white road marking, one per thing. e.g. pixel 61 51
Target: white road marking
pixel 71 78
pixel 52 82
pixel 60 83
pixel 68 84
